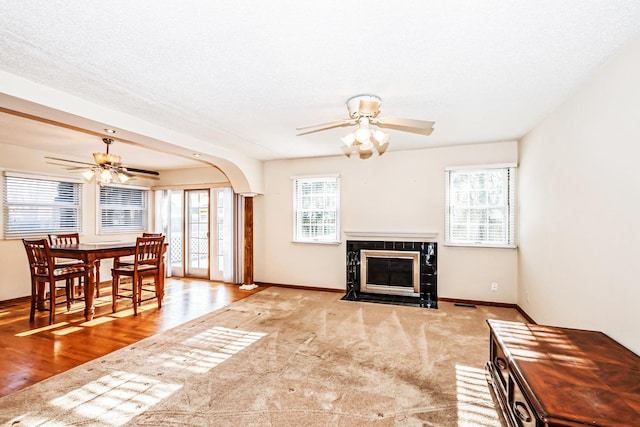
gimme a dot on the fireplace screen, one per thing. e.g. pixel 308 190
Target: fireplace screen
pixel 390 272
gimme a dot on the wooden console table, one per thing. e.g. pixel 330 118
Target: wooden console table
pixel 548 376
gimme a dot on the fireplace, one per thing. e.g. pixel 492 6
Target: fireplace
pixel 392 272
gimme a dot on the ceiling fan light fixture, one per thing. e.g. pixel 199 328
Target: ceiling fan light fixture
pixel 362 134
pixel 106 176
pixel 100 158
pixel 366 145
pixel 107 168
pixel 349 139
pixel 381 137
pixel 364 110
pixel 106 158
pixel 123 177
pixel 88 175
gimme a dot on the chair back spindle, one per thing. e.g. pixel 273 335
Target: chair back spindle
pixel 64 239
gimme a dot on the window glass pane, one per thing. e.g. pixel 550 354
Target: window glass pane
pixel 122 210
pixel 36 206
pixel 316 203
pixel 480 206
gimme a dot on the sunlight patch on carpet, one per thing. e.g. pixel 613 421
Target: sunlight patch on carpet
pixel 204 351
pixel 475 405
pixel 114 399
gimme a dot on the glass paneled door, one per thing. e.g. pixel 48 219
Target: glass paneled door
pixel 197 239
pixel 199 226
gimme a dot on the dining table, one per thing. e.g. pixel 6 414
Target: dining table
pixel 90 253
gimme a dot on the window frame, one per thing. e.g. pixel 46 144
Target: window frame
pixel 77 191
pixel 297 210
pixel 508 206
pixel 102 229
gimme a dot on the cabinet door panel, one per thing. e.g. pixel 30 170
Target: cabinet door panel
pixel 519 406
pixel 499 362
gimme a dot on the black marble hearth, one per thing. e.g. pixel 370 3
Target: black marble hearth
pixel 428 287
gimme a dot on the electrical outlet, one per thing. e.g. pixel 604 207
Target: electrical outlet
pixel 494 287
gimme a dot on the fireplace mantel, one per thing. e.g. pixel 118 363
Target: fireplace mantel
pixel 392 234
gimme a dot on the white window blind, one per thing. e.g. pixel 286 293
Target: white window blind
pixel 36 206
pixel 122 209
pixel 480 206
pixel 316 203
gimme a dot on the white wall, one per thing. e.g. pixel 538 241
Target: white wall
pixel 398 192
pixel 579 261
pixel 205 176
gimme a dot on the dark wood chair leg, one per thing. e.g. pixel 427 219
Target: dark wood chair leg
pixel 68 291
pixel 52 303
pixel 34 297
pixel 114 292
pixel 97 275
pixel 135 283
pixel 158 289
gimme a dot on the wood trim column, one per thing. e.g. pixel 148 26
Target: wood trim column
pixel 248 241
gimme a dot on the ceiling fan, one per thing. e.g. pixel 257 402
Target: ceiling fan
pixel 106 167
pixel 364 111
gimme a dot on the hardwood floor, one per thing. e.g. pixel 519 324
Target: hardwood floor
pixel 34 352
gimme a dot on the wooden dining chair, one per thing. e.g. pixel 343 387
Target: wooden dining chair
pixel 74 239
pixel 45 271
pixel 147 263
pixel 118 262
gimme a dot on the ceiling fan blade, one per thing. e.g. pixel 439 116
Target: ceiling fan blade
pixel 325 126
pixel 423 127
pixel 138 171
pixel 140 175
pixel 70 161
pixel 67 167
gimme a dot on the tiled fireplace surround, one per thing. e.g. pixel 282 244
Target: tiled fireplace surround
pixel 428 295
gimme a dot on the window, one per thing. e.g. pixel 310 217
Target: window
pixel 36 206
pixel 480 207
pixel 315 207
pixel 122 209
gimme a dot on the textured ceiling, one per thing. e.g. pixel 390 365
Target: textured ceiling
pixel 242 75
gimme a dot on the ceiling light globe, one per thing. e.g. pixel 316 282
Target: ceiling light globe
pixel 366 144
pixel 123 177
pixel 348 139
pixel 100 158
pixel 362 135
pixel 106 176
pixel 381 137
pixel 88 175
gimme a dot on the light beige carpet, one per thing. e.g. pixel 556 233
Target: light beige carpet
pixel 283 357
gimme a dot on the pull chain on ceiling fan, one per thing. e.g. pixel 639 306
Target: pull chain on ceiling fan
pixel 364 111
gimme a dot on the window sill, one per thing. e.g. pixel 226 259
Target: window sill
pixel 480 245
pixel 317 242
